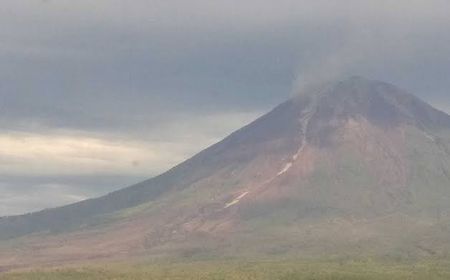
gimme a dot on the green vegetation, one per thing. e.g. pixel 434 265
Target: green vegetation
pixel 246 270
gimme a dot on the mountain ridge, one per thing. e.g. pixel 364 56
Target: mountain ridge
pixel 359 154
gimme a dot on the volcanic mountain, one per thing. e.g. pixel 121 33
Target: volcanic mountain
pixel 351 168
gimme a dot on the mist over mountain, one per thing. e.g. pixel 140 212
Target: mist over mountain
pixel 350 168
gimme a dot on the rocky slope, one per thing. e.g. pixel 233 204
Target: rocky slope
pixel 353 168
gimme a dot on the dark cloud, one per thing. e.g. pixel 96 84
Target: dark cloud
pixel 132 70
pixel 111 64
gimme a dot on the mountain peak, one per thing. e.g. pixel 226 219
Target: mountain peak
pixel 354 86
pixel 356 155
pixel 379 102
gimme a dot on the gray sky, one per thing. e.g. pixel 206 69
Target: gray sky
pixel 96 95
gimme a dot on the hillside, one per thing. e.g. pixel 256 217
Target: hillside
pixel 353 168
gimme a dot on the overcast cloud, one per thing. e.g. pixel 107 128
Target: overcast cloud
pixel 93 91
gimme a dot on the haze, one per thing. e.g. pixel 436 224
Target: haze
pixel 98 95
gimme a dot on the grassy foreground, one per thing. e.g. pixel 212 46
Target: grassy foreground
pixel 245 270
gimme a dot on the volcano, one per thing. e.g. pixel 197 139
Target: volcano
pixel 350 168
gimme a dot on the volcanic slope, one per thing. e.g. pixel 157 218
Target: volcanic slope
pixel 352 168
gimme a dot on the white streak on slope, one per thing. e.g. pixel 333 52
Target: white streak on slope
pixel 304 123
pixel 429 136
pixel 236 200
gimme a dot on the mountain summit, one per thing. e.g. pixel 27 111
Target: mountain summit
pixel 357 167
